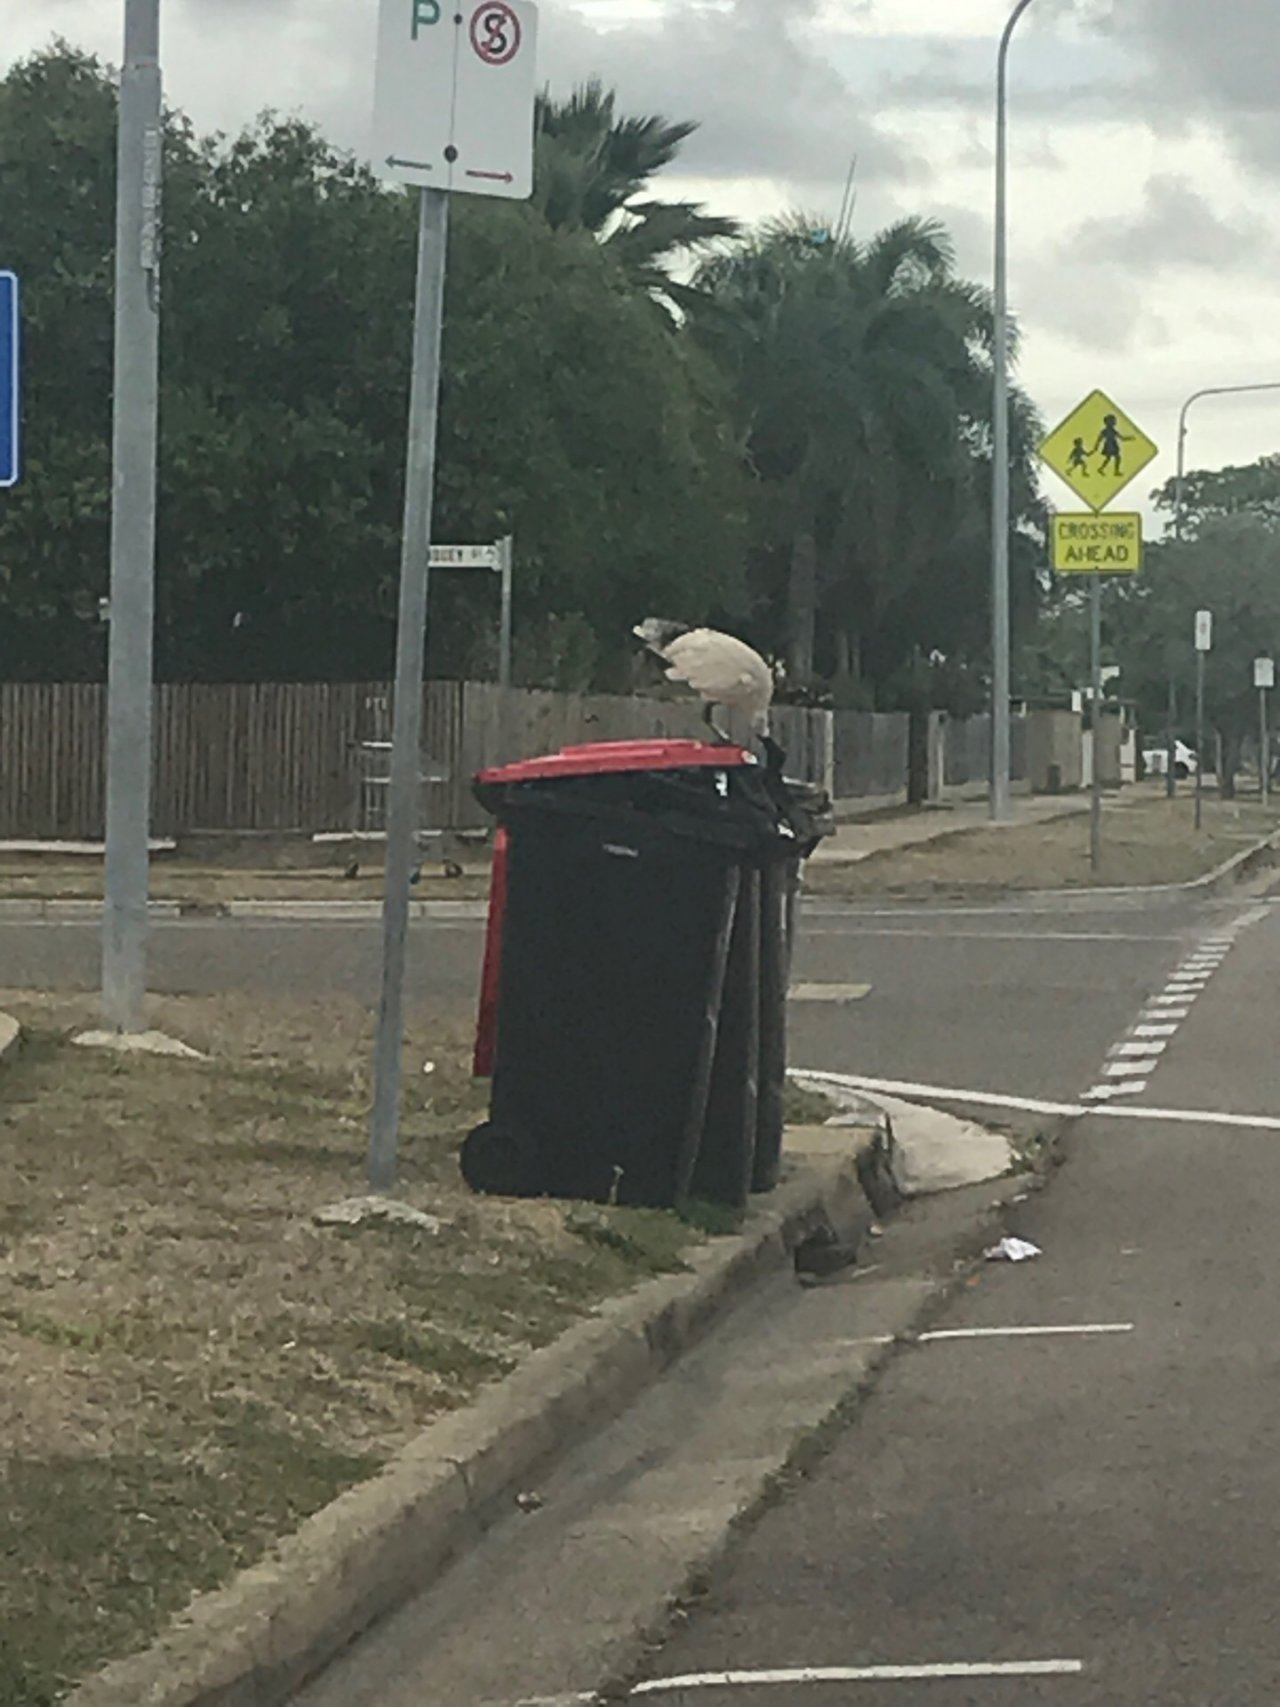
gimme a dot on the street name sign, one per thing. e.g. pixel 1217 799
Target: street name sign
pixel 1097 545
pixel 466 557
pixel 454 95
pixel 10 381
pixel 1097 451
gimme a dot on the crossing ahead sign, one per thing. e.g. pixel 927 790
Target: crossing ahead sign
pixel 1097 545
pixel 10 381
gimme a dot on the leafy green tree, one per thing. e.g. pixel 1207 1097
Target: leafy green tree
pixel 863 378
pixel 572 414
pixel 593 171
pixel 1232 569
pixel 1212 495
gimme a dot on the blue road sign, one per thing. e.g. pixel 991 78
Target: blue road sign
pixel 10 381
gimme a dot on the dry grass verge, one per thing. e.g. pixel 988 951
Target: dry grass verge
pixel 189 1365
pixel 1146 840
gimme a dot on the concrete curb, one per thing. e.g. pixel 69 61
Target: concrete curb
pixel 10 1036
pixel 1220 880
pixel 254 1642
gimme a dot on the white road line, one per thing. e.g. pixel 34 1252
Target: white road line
pixel 1026 1333
pixel 937 1093
pixel 1155 1031
pixel 585 1698
pixel 995 1099
pixel 1119 1069
pixel 1168 1001
pixel 1125 1088
pixel 1167 1013
pixel 854 1674
pixel 828 992
pixel 1197 1117
pixel 1028 937
pixel 1143 1050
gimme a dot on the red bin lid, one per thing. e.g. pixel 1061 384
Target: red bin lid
pixel 616 758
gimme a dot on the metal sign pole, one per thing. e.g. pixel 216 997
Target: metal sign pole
pixel 406 737
pixel 1264 746
pixel 1199 737
pixel 1095 792
pixel 506 554
pixel 133 521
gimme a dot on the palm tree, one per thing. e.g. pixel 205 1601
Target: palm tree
pixel 593 168
pixel 863 376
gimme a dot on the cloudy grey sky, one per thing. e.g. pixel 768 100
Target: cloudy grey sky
pixel 1145 149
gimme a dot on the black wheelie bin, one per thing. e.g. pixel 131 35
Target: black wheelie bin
pixel 627 1018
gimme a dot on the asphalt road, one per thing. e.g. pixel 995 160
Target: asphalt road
pixel 1105 1504
pixel 1076 1519
pixel 1006 998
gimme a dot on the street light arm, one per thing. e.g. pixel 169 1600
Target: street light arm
pixel 1009 28
pixel 1179 489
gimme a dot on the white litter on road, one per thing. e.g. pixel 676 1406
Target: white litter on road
pixel 1013 1250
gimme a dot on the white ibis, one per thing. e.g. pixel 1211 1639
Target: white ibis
pixel 721 670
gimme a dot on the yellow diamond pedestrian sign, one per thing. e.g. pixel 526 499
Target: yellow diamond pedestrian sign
pixel 1098 450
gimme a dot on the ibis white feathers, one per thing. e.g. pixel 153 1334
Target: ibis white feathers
pixel 721 670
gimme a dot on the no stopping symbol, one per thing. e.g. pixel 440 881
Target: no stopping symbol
pixel 495 32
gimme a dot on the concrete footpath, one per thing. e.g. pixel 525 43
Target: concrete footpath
pixel 854 842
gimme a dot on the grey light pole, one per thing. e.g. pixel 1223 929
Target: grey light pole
pixel 1179 519
pixel 133 520
pixel 1000 685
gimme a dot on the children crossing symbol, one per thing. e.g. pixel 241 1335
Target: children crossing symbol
pixel 1097 451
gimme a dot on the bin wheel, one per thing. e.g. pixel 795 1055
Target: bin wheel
pixel 498 1162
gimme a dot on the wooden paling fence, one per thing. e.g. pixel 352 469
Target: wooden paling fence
pixel 295 756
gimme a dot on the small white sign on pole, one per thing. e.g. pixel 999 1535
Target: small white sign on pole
pixel 1264 672
pixel 466 557
pixel 454 95
pixel 1204 631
